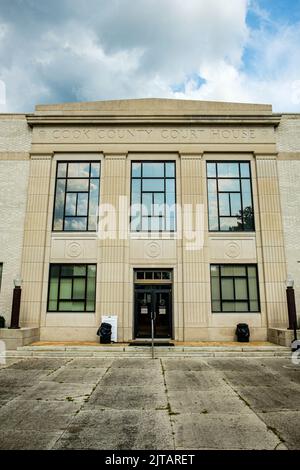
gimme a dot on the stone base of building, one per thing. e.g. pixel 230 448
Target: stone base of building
pixel 222 334
pixel 282 336
pixel 125 334
pixel 15 338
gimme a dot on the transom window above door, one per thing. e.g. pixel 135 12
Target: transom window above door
pixel 230 204
pixel 76 196
pixel 153 196
pixel 141 275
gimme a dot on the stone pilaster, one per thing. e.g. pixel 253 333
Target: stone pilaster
pixel 195 284
pixel 35 239
pixel 113 283
pixel 272 242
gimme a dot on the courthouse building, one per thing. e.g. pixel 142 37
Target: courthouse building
pixel 199 220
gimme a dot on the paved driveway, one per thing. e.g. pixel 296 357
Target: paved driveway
pixel 101 403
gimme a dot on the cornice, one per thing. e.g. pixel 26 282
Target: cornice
pixel 84 119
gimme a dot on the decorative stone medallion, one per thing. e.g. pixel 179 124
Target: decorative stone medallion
pixel 74 250
pixel 153 249
pixel 232 250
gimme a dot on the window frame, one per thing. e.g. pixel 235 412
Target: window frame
pixel 66 178
pixel 166 276
pixel 234 300
pixel 60 265
pixel 140 178
pixel 240 179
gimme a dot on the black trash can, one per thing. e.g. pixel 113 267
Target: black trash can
pixel 104 332
pixel 242 332
pixel 2 322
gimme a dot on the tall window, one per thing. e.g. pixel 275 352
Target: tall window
pixel 230 205
pixel 76 196
pixel 153 196
pixel 234 288
pixel 1 269
pixel 72 288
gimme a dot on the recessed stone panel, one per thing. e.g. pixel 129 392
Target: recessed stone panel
pixel 152 250
pixel 74 249
pixel 232 249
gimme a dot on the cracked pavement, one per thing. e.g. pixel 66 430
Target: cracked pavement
pixel 140 403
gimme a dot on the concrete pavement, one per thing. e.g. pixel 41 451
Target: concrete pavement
pixel 139 403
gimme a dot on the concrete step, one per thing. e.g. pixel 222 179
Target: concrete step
pixel 145 351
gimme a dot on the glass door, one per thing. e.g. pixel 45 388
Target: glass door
pixel 153 300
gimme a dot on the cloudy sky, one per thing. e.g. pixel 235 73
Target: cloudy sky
pixel 86 50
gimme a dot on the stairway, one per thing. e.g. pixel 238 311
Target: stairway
pixel 126 350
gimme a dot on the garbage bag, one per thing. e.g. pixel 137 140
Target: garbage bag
pixel 104 332
pixel 242 333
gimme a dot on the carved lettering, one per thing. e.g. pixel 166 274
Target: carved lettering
pixel 226 134
pixel 101 134
pixel 111 134
pixel 86 133
pixel 56 134
pixel 76 134
pixel 154 134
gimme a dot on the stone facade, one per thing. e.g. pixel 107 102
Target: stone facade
pixel 116 133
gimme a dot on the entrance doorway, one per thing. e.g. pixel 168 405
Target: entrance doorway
pixel 153 295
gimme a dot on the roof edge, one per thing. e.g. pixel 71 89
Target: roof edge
pixel 154 106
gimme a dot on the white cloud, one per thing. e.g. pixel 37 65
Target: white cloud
pixel 68 50
pixel 272 75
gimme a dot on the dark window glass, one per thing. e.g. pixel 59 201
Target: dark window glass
pixel 230 204
pixel 72 288
pixel 234 288
pixel 153 196
pixel 142 275
pixel 76 196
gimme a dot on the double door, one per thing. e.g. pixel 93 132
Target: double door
pixel 153 301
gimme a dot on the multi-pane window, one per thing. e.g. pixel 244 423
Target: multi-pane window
pixel 72 288
pixel 153 196
pixel 1 269
pixel 234 288
pixel 148 275
pixel 76 196
pixel 230 205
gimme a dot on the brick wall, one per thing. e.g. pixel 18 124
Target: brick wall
pixel 15 135
pixel 288 141
pixel 288 133
pixel 15 138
